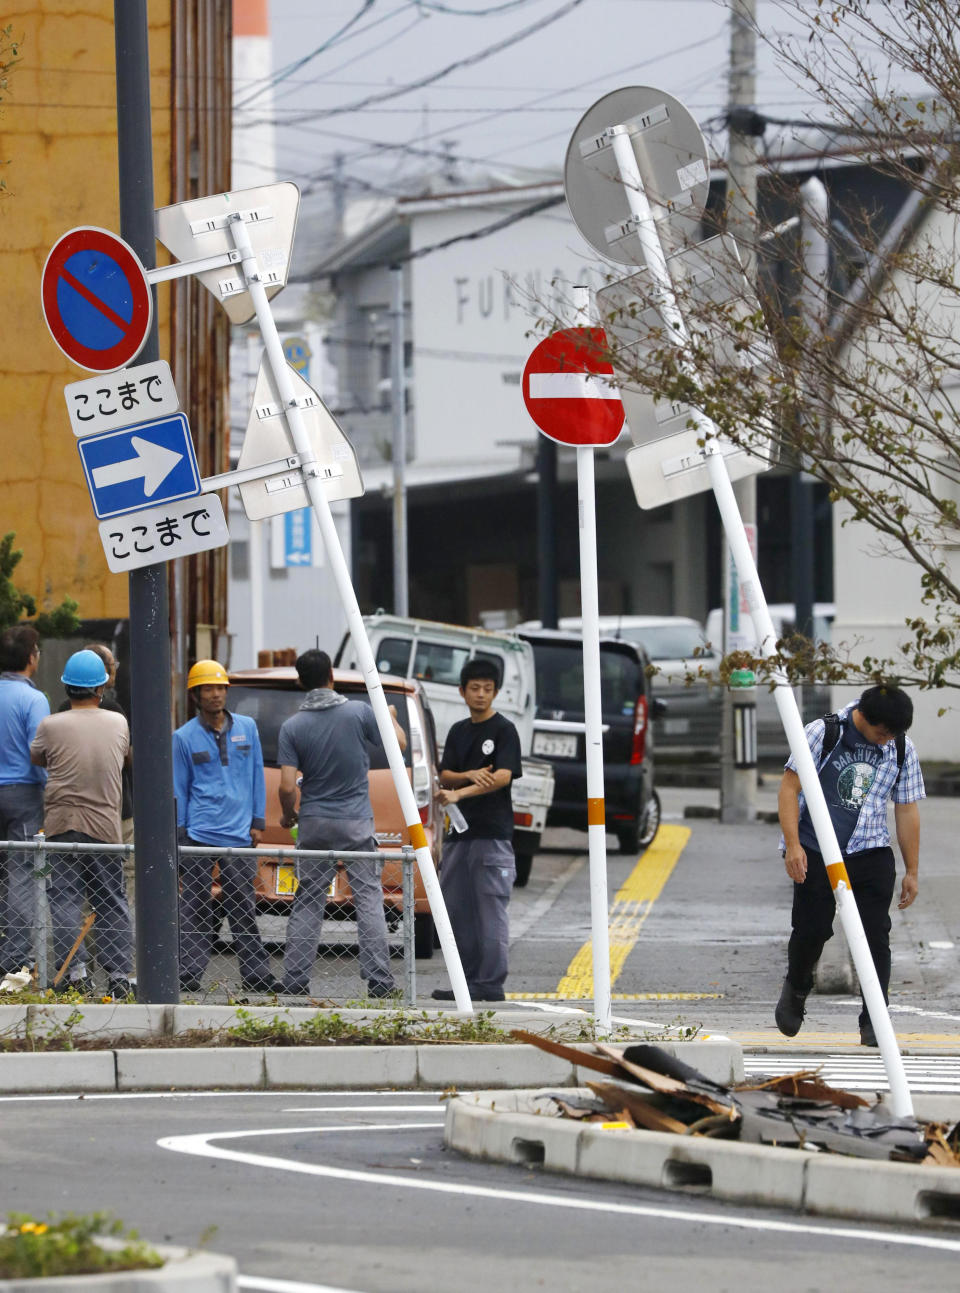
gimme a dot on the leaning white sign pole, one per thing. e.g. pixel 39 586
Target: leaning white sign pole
pixel 593 718
pixel 655 261
pixel 348 600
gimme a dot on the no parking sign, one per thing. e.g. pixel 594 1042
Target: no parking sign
pixel 96 299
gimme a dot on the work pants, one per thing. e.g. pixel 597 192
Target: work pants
pixel 477 877
pixel 352 835
pixel 21 817
pixel 872 874
pixel 98 878
pixel 237 903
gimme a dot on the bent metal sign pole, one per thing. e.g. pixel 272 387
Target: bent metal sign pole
pixel 313 476
pixel 568 393
pixel 618 138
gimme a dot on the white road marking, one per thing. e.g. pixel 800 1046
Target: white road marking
pixel 208 1095
pixel 287 1286
pixel 200 1146
pixel 370 1108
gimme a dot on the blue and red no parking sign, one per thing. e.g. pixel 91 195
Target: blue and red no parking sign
pixel 96 299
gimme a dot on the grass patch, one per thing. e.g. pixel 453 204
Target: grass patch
pixel 68 1245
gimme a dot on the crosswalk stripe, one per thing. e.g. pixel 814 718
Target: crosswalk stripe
pixel 926 1073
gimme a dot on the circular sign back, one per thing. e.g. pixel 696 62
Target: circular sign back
pixel 568 388
pixel 96 299
pixel 670 152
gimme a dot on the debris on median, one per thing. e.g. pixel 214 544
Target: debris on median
pixel 647 1089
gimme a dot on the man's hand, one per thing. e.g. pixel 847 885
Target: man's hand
pixel 482 777
pixel 795 861
pixel 287 820
pixel 448 796
pixel 255 836
pixel 908 890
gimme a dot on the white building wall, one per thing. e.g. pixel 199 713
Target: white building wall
pixel 878 587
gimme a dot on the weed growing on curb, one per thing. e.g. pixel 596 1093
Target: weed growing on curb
pixel 67 1245
pixel 390 1028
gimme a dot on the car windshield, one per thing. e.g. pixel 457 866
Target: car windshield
pixel 438 662
pixel 270 706
pixel 666 641
pixel 559 670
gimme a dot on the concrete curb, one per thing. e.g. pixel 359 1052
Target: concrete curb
pixel 427 1067
pixel 516 1127
pixel 184 1272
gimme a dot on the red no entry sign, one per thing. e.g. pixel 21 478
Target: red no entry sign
pixel 96 299
pixel 567 390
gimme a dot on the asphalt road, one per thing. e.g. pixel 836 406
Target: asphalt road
pixel 356 1192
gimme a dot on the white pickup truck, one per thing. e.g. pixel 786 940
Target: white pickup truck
pixel 434 654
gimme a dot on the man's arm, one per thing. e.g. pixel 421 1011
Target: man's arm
pixel 401 734
pixel 288 796
pixel 259 814
pixel 475 777
pixel 182 774
pixel 907 820
pixel 494 781
pixel 788 810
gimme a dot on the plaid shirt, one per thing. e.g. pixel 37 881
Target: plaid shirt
pixel 871 831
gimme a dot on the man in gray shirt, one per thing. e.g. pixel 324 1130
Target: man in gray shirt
pixel 328 741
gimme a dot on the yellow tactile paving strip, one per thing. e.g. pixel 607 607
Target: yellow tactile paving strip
pixel 629 909
pixel 621 996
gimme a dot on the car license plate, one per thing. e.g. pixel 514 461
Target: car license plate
pixel 286 881
pixel 556 745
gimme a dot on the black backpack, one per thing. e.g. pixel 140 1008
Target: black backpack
pixel 831 735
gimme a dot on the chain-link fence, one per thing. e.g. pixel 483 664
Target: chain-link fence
pixel 306 924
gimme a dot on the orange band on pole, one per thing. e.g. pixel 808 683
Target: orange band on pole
pixel 837 872
pixel 595 812
pixel 418 836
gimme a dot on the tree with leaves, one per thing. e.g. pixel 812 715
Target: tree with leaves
pixel 16 605
pixel 864 388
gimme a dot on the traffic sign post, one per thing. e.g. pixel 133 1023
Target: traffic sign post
pixel 313 478
pixel 140 466
pixel 599 133
pixel 568 390
pixel 96 299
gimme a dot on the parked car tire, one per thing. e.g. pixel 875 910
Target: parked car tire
pixel 524 863
pixel 423 935
pixel 651 820
pixel 628 838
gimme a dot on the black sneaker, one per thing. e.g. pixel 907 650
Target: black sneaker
pixel 790 1009
pixel 377 991
pixel 119 988
pixel 867 1036
pixel 443 994
pixel 266 984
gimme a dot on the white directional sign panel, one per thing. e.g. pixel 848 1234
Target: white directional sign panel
pixel 201 227
pixel 162 533
pixel 121 398
pixel 268 439
pixel 140 466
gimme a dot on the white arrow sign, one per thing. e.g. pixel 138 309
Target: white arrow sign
pixel 154 462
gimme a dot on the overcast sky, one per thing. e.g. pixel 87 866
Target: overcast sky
pixel 516 105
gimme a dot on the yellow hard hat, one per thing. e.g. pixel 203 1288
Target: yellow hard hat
pixel 209 672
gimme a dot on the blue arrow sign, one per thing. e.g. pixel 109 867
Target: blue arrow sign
pixel 140 466
pixel 297 538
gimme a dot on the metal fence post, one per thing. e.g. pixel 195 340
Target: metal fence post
pixel 409 944
pixel 41 920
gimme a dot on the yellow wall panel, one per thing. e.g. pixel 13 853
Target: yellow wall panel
pixel 58 131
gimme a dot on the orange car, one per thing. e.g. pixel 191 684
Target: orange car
pixel 270 696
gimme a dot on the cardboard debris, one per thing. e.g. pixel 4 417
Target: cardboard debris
pixel 657 1092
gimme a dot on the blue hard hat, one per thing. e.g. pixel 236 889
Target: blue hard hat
pixel 84 669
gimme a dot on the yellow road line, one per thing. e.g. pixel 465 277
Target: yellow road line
pixel 622 996
pixel 820 1041
pixel 630 908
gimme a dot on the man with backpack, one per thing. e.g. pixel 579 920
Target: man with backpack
pixel 864 759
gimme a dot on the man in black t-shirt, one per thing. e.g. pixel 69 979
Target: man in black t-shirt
pixel 481 757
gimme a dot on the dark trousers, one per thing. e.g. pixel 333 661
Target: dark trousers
pixel 98 877
pixel 21 816
pixel 872 874
pixel 197 917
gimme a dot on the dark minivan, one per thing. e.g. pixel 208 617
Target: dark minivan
pixel 632 805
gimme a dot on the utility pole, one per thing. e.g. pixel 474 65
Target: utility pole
pixel 154 816
pixel 398 412
pixel 738 786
